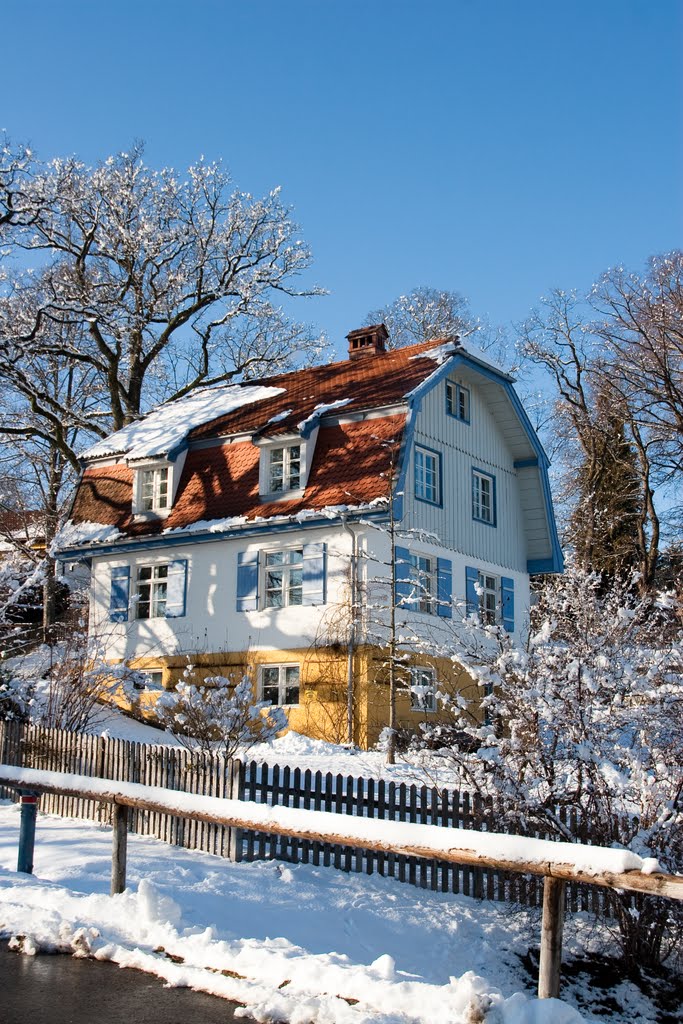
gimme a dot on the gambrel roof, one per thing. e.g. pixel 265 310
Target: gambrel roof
pixel 360 412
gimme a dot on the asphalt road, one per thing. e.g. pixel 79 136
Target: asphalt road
pixel 62 990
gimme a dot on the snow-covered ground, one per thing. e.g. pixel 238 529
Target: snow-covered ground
pixel 292 943
pixel 292 749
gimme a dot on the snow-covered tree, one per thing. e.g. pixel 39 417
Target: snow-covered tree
pixel 219 715
pixel 583 735
pixel 422 315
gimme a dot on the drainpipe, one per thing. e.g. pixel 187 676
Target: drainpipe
pixel 352 629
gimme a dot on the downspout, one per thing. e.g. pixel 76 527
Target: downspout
pixel 351 646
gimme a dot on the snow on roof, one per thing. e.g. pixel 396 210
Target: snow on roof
pixel 167 426
pixel 450 348
pixel 319 412
pixel 75 535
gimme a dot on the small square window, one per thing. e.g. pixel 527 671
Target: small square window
pixel 154 490
pixel 422 689
pixel 458 401
pixel 280 684
pixel 427 475
pixel 483 497
pixel 284 469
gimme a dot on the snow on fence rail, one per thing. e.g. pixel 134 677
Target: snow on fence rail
pixel 176 769
pixel 555 862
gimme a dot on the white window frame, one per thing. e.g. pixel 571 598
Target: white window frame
pixel 422 487
pixel 423 580
pixel 458 401
pixel 488 592
pixel 418 675
pixel 157 586
pixel 292 572
pixel 158 501
pixel 282 685
pixel 483 497
pixel 305 446
pixel 153 680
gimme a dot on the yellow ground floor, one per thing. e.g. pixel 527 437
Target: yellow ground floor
pixel 315 690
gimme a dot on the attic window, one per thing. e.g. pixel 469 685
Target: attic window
pixel 284 468
pixel 154 489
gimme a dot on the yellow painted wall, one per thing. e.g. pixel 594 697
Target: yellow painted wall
pixel 322 709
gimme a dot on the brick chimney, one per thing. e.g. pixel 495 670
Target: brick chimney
pixel 367 341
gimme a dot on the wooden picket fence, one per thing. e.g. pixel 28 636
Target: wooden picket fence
pixel 179 769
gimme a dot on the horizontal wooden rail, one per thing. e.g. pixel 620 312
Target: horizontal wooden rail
pixel 545 857
pixel 556 862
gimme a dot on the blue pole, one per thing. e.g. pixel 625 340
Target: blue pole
pixel 27 831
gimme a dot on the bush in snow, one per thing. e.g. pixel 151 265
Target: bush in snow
pixel 218 715
pixel 583 731
pixel 62 686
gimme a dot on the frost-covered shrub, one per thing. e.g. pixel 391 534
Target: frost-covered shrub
pixel 62 686
pixel 218 714
pixel 583 730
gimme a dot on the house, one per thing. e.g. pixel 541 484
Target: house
pixel 246 527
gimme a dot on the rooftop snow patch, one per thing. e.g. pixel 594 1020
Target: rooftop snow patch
pixel 165 428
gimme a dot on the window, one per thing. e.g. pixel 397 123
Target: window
pixel 483 497
pixel 280 684
pixel 284 575
pixel 423 583
pixel 159 591
pixel 153 679
pixel 491 596
pixel 152 591
pixel 284 469
pixel 488 589
pixel 427 475
pixel 153 490
pixel 278 579
pixel 422 689
pixel 458 401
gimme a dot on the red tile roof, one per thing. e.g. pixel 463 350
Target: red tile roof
pixel 370 382
pixel 221 481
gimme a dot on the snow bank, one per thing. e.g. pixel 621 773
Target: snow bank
pixel 167 426
pixel 292 943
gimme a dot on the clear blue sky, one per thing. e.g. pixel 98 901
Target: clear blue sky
pixel 493 147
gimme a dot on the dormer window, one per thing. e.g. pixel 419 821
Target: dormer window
pixel 284 466
pixel 154 495
pixel 284 469
pixel 154 488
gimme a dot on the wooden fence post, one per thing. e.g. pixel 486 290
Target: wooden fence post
pixel 235 791
pixel 119 846
pixel 551 938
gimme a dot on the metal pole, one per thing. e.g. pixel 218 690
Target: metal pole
pixel 27 831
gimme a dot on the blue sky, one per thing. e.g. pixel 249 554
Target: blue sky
pixel 495 148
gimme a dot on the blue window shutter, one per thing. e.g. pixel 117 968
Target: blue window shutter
pixel 403 598
pixel 120 594
pixel 444 587
pixel 177 588
pixel 471 596
pixel 247 581
pixel 507 597
pixel 314 574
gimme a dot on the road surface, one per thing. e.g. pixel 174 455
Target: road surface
pixel 62 990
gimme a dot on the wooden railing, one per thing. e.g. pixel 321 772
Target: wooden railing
pixel 556 863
